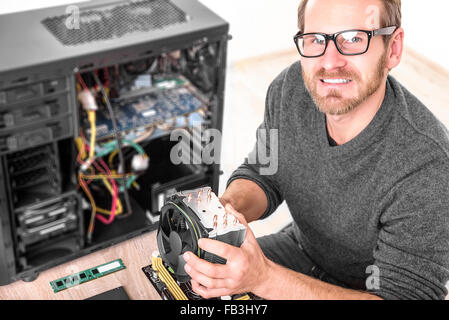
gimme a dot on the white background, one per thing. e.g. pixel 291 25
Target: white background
pixel 260 27
pixel 263 26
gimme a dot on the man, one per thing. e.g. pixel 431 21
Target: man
pixel 363 167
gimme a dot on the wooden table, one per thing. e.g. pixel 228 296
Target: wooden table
pixel 135 253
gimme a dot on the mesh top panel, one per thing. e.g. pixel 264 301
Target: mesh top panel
pixel 114 22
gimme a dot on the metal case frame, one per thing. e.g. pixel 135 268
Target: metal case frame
pixel 31 54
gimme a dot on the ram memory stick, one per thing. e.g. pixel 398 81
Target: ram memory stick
pixel 87 275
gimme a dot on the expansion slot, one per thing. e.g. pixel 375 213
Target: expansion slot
pixel 244 297
pixel 87 275
pixel 168 288
pixel 165 277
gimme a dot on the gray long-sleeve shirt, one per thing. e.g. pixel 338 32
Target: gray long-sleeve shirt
pixel 381 199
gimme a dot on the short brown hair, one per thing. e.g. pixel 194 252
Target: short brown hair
pixel 392 15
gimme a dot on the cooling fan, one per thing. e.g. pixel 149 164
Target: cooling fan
pixel 188 216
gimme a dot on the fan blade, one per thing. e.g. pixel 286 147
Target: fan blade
pixel 165 237
pixel 175 242
pixel 173 248
pixel 172 258
pixel 180 268
pixel 186 237
pixel 161 242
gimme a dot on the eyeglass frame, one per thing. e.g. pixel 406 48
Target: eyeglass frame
pixel 387 31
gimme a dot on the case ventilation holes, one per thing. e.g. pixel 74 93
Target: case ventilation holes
pixel 115 22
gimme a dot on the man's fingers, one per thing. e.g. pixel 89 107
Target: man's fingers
pixel 209 293
pixel 207 268
pixel 219 248
pixel 206 281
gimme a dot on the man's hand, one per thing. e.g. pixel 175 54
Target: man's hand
pixel 245 270
pixel 248 270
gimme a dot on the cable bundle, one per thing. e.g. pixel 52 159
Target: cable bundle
pixel 90 157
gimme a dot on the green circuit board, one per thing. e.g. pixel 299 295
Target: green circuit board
pixel 87 275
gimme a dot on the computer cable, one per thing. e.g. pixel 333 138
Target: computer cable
pixel 119 143
pixel 95 209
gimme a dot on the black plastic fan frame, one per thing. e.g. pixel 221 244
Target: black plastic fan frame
pixel 179 230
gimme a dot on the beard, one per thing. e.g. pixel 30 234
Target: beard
pixel 334 103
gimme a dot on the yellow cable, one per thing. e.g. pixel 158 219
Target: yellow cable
pixel 93 205
pixel 119 208
pixel 81 148
pixel 111 156
pixel 93 134
pixel 165 276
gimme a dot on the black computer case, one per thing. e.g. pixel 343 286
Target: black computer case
pixel 142 49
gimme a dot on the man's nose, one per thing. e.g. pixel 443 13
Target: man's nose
pixel 332 58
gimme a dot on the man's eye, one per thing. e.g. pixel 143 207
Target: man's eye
pixel 318 41
pixel 354 40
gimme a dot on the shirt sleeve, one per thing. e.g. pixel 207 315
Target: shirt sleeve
pixel 412 252
pixel 263 170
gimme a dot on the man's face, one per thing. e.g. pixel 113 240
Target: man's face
pixel 365 72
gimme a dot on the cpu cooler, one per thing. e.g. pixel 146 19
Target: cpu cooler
pixel 188 216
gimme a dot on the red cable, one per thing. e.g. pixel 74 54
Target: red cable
pixel 113 183
pixel 106 77
pixel 80 80
pixel 115 194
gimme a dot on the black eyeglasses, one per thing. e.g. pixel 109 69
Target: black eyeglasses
pixel 348 42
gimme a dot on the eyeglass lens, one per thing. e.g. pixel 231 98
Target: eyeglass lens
pixel 349 42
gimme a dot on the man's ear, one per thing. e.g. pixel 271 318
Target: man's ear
pixel 395 49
